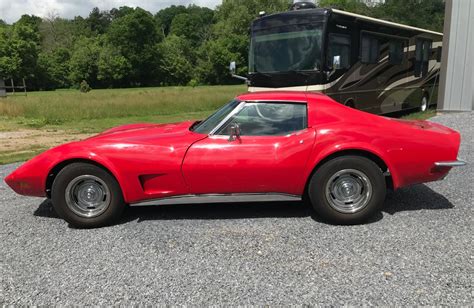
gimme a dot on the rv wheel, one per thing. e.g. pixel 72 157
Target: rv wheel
pixel 424 103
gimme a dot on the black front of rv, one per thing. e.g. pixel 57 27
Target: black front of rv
pixel 287 49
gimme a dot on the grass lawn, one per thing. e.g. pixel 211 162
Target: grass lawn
pixel 101 109
pixel 32 124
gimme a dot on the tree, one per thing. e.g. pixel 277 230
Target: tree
pixel 10 61
pixel 52 70
pixel 165 17
pixel 19 45
pixel 120 12
pixel 353 6
pixel 30 21
pixel 427 14
pixel 83 64
pixel 195 25
pixel 135 36
pixel 176 61
pixel 98 21
pixel 59 33
pixel 113 68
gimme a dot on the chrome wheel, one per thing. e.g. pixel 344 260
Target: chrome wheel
pixel 348 191
pixel 424 104
pixel 87 196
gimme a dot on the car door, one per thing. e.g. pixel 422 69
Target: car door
pixel 268 156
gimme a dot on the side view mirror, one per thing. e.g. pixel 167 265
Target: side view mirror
pixel 234 132
pixel 232 67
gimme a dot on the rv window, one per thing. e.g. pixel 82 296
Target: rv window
pixel 339 54
pixel 395 52
pixel 422 56
pixel 370 49
pixel 439 54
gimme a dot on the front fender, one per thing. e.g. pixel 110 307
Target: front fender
pixel 30 178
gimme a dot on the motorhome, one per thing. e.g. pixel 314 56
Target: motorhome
pixel 365 63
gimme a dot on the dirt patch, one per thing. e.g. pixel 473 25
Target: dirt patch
pixel 31 140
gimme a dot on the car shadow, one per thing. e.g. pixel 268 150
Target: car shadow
pixel 419 197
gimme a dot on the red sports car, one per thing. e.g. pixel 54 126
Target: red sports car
pixel 268 146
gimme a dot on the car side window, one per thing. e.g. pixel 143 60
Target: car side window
pixel 268 119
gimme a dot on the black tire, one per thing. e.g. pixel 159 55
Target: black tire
pixel 320 193
pixel 110 212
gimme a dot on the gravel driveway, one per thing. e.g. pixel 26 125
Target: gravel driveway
pixel 418 250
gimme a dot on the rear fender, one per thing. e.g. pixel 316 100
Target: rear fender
pixel 320 153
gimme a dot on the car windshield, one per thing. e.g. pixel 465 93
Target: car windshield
pixel 283 49
pixel 206 126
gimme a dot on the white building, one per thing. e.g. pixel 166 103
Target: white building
pixel 456 91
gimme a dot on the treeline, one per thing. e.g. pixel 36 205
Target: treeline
pixel 131 47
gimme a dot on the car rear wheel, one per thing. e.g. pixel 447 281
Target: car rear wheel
pixel 347 190
pixel 87 196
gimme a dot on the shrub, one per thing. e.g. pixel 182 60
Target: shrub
pixel 84 87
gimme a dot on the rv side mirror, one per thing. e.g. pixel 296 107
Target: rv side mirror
pixel 232 67
pixel 336 62
pixel 439 53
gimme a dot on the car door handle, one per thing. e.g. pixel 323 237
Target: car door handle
pixel 301 141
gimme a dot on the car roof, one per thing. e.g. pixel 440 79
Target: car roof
pixel 279 96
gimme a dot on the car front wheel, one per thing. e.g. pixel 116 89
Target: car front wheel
pixel 87 196
pixel 347 190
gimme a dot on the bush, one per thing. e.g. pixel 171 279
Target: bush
pixel 193 83
pixel 84 87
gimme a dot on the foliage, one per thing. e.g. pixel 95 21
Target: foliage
pixel 84 60
pixel 176 60
pixel 179 45
pixel 84 87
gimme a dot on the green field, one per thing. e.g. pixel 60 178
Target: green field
pixel 101 109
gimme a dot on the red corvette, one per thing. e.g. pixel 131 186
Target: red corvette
pixel 259 147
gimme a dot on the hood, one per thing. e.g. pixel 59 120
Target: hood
pixel 138 133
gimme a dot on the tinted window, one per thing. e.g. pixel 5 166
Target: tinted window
pixel 422 56
pixel 370 49
pixel 395 55
pixel 339 51
pixel 285 49
pixel 268 119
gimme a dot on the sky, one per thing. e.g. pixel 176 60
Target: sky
pixel 11 10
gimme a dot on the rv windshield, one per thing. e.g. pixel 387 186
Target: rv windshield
pixel 282 49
